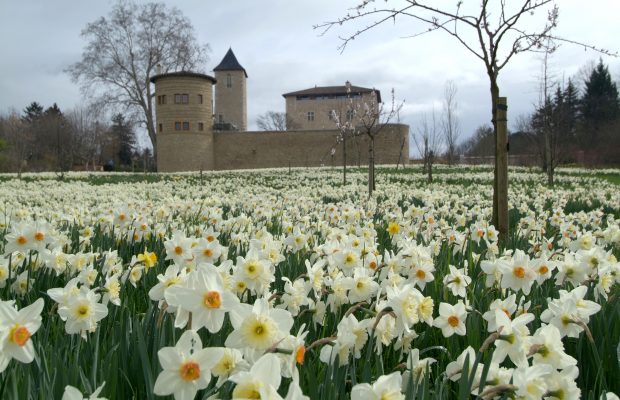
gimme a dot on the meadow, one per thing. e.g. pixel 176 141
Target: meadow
pixel 288 284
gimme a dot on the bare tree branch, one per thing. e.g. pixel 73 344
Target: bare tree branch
pixel 124 50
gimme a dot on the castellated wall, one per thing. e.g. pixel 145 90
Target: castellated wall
pixel 241 150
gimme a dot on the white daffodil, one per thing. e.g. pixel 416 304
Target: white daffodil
pixel 451 319
pixel 16 329
pixel 549 349
pixel 518 274
pixel 387 387
pixel 82 312
pixel 258 327
pixel 514 338
pixel 457 281
pixel 186 368
pixel 205 298
pixel 261 381
pixel 227 362
pixel 364 287
pixel 72 393
pixel 507 305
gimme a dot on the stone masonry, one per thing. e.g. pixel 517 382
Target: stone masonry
pixel 186 140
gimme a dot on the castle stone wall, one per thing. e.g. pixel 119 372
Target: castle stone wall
pixel 241 150
pixel 185 152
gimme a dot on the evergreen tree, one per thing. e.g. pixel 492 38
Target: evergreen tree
pixel 600 105
pixel 124 136
pixel 33 112
pixel 53 111
pixel 571 109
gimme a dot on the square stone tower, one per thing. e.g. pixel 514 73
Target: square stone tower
pixel 231 106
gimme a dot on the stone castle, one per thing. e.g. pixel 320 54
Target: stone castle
pixel 198 129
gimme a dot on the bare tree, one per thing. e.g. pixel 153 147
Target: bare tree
pixel 125 50
pixel 428 140
pixel 450 122
pixel 343 119
pixel 88 135
pixel 18 139
pixel 493 32
pixel 372 118
pixel 275 121
pixel 553 123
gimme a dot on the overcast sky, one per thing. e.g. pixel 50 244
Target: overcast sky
pixel 276 43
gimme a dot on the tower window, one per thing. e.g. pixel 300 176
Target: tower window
pixel 228 81
pixel 349 115
pixel 182 98
pixel 161 127
pixel 201 126
pixel 310 115
pixel 199 99
pixel 186 126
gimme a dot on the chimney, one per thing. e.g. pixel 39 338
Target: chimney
pixel 158 69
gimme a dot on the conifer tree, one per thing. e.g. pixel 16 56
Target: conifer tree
pixel 33 112
pixel 600 105
pixel 123 135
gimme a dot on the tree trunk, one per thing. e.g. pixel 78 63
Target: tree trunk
pixel 344 159
pixel 425 158
pixel 429 167
pixel 548 156
pixel 500 192
pixel 371 165
pixel 150 123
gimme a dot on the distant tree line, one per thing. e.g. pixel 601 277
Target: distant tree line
pixel 569 125
pixel 48 139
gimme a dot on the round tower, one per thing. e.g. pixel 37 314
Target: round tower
pixel 184 121
pixel 231 108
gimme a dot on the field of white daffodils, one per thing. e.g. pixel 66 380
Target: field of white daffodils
pixel 275 284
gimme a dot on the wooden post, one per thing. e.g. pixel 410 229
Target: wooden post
pixel 501 169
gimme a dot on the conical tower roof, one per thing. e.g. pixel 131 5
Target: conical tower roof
pixel 230 63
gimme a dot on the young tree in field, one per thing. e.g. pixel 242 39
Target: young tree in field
pixel 450 122
pixel 343 118
pixel 275 121
pixel 548 120
pixel 428 139
pixel 372 117
pixel 494 32
pixel 130 46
